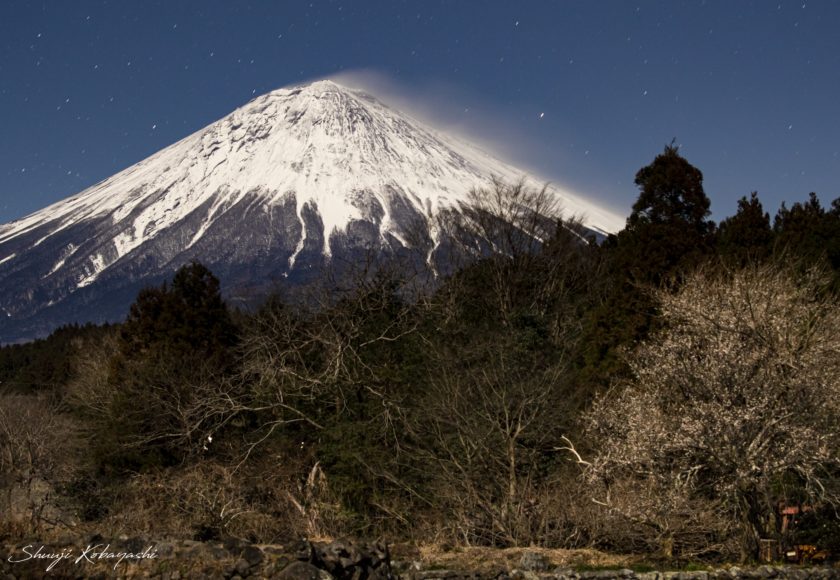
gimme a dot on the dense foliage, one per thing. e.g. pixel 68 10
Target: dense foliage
pixel 480 409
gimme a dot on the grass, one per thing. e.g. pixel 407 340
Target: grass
pixel 481 559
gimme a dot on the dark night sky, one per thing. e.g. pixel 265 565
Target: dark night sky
pixel 582 92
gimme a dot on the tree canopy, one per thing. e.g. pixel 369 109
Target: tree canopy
pixel 735 403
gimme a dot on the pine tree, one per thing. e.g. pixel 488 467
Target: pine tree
pixel 746 236
pixel 667 234
pixel 798 228
pixel 668 229
pixel 671 193
pixel 176 345
pixel 188 318
pixel 808 232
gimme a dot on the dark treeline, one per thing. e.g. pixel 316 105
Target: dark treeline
pixel 489 409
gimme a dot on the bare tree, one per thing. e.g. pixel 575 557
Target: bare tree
pixel 514 219
pixel 484 433
pixel 157 406
pixel 498 392
pixel 507 223
pixel 36 441
pixel 303 362
pixel 733 406
pixel 314 354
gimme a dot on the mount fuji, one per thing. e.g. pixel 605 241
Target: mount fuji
pixel 292 180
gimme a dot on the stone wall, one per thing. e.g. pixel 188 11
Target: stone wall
pixel 124 558
pixel 733 573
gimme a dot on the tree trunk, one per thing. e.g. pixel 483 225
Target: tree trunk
pixel 668 547
pixel 751 528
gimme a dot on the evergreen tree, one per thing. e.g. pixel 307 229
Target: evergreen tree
pixel 831 229
pixel 808 232
pixel 668 229
pixel 671 193
pixel 667 234
pixel 746 236
pixel 798 228
pixel 188 318
pixel 46 363
pixel 175 348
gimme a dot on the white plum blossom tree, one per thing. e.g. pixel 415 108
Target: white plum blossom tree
pixel 732 408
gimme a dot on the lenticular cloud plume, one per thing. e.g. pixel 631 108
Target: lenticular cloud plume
pixel 472 118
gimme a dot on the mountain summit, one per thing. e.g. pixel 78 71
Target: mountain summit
pixel 292 179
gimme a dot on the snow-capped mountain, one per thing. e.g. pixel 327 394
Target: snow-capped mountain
pixel 294 178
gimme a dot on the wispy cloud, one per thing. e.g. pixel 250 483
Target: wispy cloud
pixel 474 118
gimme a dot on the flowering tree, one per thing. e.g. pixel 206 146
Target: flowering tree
pixel 735 405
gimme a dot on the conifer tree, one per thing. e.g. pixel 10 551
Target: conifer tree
pixel 668 229
pixel 174 350
pixel 187 318
pixel 667 234
pixel 808 232
pixel 746 236
pixel 798 227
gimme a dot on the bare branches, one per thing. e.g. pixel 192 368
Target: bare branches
pixel 739 392
pixel 36 440
pixel 571 449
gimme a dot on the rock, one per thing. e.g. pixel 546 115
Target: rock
pixel 349 560
pixel 600 574
pixel 534 562
pixel 275 565
pixel 165 549
pixel 253 555
pixel 302 571
pixel 234 546
pixel 433 574
pixel 524 575
pixel 95 539
pixel 134 545
pixel 303 551
pixel 698 575
pixel 242 567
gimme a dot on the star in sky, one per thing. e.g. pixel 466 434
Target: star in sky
pixel 625 79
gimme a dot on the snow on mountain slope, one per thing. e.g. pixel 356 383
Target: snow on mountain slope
pixel 286 180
